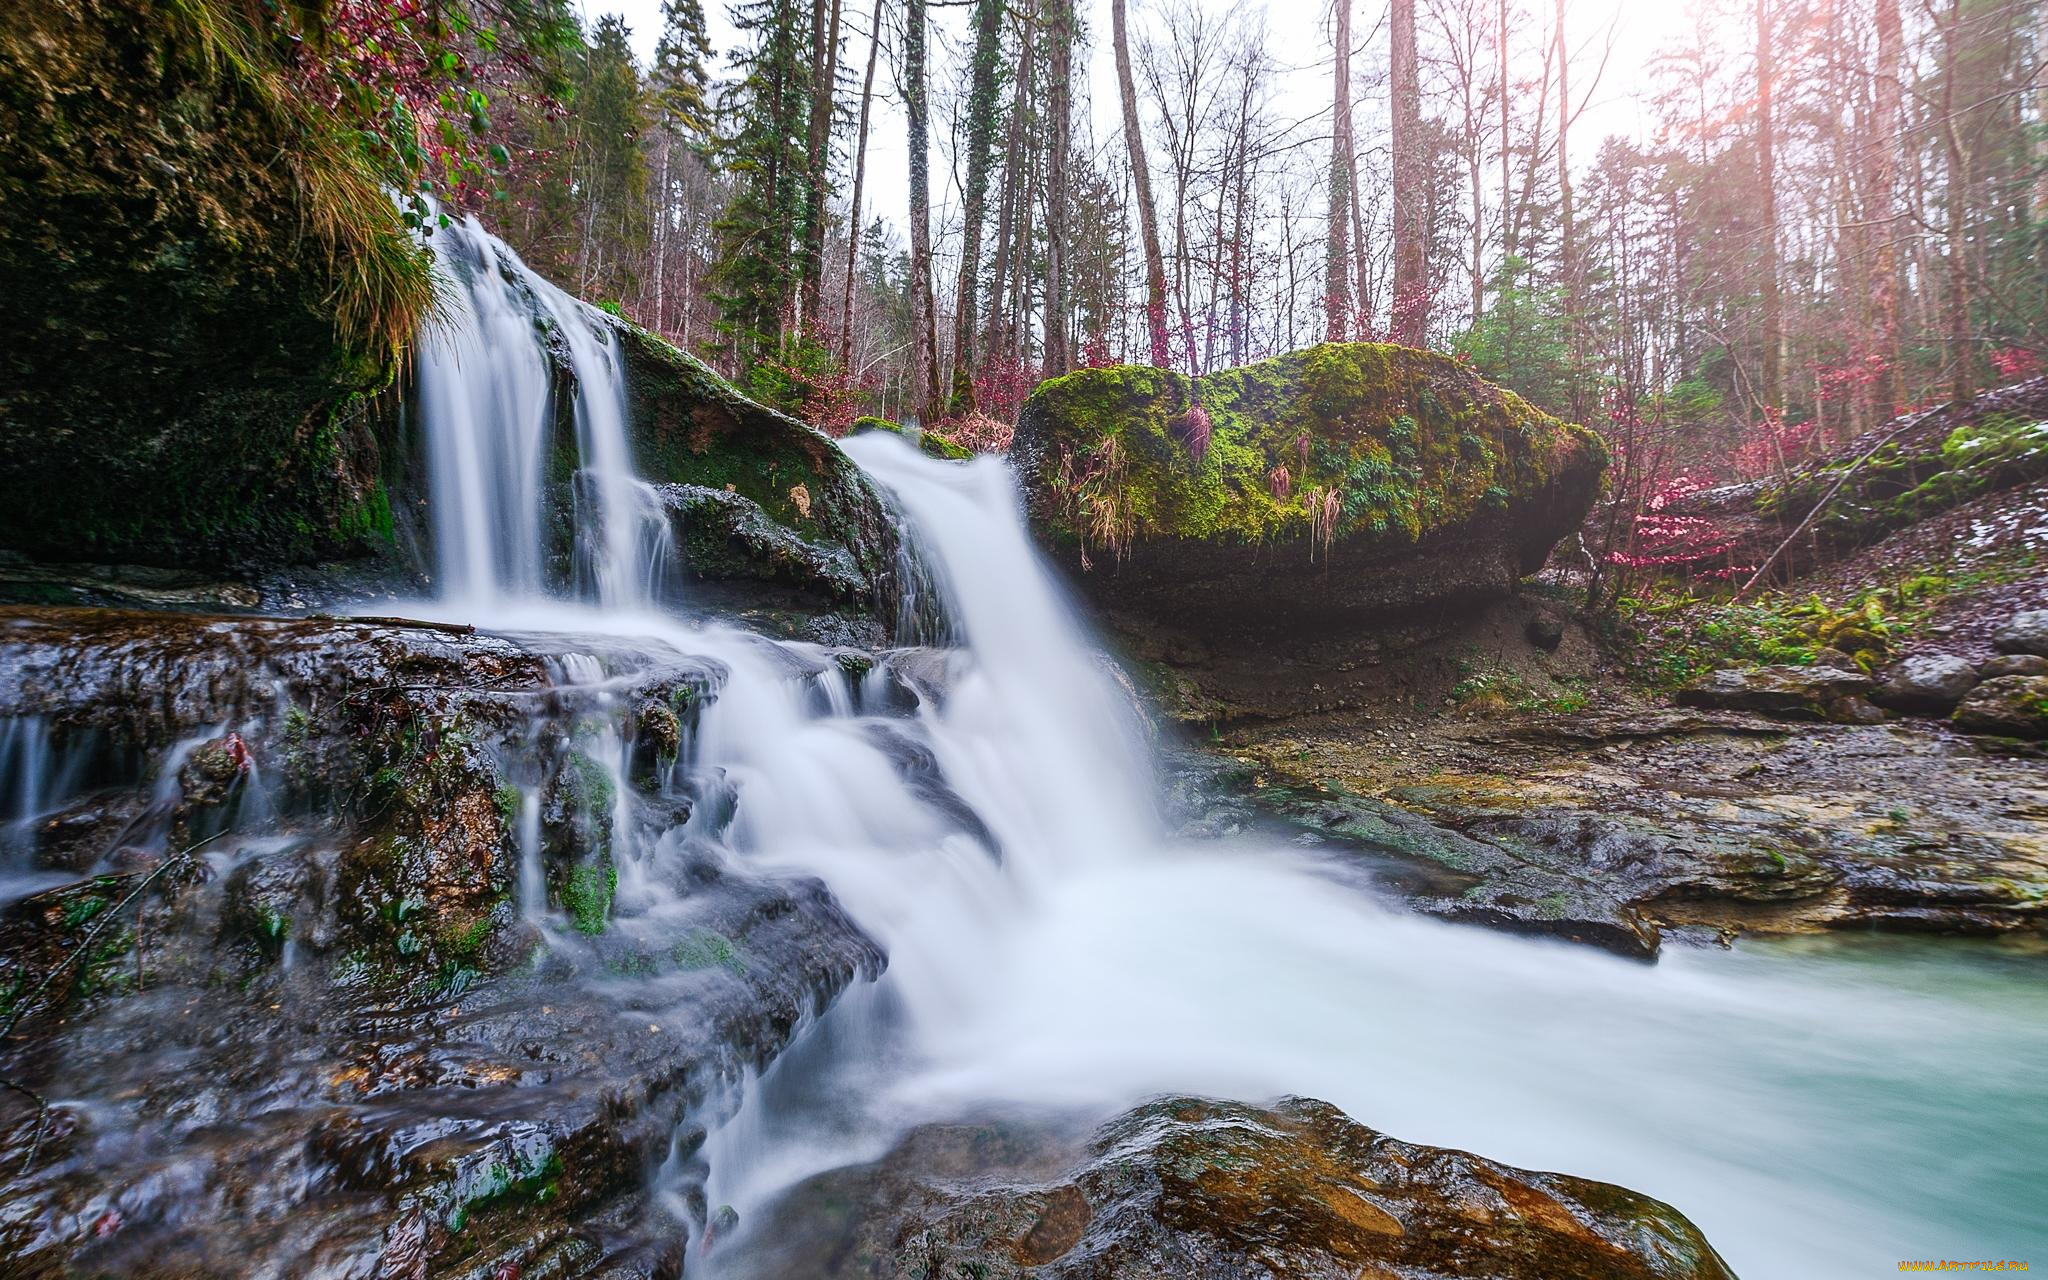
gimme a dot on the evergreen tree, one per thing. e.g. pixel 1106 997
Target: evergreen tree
pixel 610 112
pixel 764 116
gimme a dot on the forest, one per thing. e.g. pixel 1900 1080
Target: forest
pixel 1836 214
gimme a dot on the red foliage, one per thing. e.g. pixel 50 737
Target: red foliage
pixel 1770 445
pixel 1280 482
pixel 1851 378
pixel 1661 539
pixel 832 397
pixel 1095 352
pixel 1003 385
pixel 2016 364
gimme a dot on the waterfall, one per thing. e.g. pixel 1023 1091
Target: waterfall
pixel 486 403
pixel 987 813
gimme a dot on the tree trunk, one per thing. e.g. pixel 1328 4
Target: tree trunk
pixel 997 337
pixel 1963 383
pixel 1337 289
pixel 1883 214
pixel 818 150
pixel 1767 184
pixel 1410 322
pixel 860 166
pixel 924 336
pixel 981 110
pixel 1141 181
pixel 1568 248
pixel 1059 93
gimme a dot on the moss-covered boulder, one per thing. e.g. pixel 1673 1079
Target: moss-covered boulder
pixel 759 499
pixel 1338 483
pixel 2010 706
pixel 1205 1190
pixel 203 282
pixel 934 445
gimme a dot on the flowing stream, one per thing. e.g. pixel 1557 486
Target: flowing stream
pixel 1819 1107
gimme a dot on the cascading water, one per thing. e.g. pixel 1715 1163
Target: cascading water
pixel 1804 1104
pixel 987 813
pixel 1050 948
pixel 484 395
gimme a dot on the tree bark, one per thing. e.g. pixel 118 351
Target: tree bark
pixel 1337 288
pixel 1141 181
pixel 860 166
pixel 824 70
pixel 1410 321
pixel 1883 214
pixel 1058 105
pixel 981 110
pixel 1767 193
pixel 923 309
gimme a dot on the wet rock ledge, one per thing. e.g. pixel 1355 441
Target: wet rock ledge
pixel 1204 1190
pixel 329 1041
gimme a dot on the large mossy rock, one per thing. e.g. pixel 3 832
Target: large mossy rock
pixel 771 517
pixel 1204 1190
pixel 1333 485
pixel 185 348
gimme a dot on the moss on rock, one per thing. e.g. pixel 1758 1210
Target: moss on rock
pixel 692 428
pixel 930 443
pixel 203 287
pixel 1405 443
pixel 1347 479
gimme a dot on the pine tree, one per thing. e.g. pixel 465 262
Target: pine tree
pixel 764 115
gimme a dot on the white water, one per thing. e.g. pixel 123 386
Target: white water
pixel 484 396
pixel 1819 1111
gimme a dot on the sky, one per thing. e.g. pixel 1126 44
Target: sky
pixel 1300 31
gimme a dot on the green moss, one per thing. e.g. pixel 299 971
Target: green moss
pixel 587 894
pixel 930 443
pixel 1900 485
pixel 207 286
pixel 1338 441
pixel 708 949
pixel 504 1185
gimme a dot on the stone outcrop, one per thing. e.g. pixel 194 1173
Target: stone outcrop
pixel 2009 706
pixel 1793 693
pixel 2024 633
pixel 1261 529
pixel 1926 683
pixel 379 1068
pixel 177 238
pixel 1334 484
pixel 1221 1191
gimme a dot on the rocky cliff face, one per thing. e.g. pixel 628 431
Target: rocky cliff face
pixel 277 983
pixel 198 300
pixel 1291 507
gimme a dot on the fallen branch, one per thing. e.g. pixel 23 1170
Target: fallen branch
pixel 1771 562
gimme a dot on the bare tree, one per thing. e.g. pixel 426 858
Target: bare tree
pixel 1337 289
pixel 1141 180
pixel 1410 320
pixel 923 311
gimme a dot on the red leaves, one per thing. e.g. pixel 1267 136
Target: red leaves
pixel 2016 364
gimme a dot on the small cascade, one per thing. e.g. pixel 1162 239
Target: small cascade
pixel 487 403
